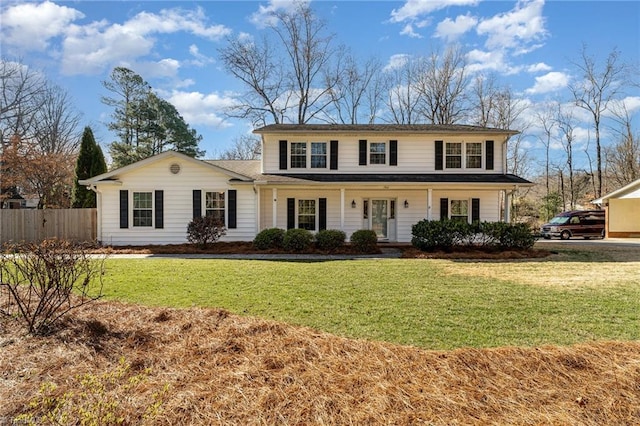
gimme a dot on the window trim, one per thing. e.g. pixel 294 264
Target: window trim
pixel 133 209
pixel 316 216
pixel 385 152
pixel 468 204
pixel 464 155
pixel 224 209
pixel 308 155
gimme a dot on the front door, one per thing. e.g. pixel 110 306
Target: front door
pixel 380 218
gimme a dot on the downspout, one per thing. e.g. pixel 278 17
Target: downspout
pixel 94 188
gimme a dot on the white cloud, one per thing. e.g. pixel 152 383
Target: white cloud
pixel 201 109
pixel 408 31
pixel 397 61
pixel 412 9
pixel 451 30
pixel 549 82
pixel 520 26
pixel 539 67
pixel 30 26
pixel 264 16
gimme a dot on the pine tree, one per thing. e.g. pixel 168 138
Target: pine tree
pixel 90 163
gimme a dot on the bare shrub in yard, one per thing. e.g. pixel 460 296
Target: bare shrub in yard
pixel 205 230
pixel 41 282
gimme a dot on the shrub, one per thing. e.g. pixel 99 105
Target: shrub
pixel 365 241
pixel 441 234
pixel 447 235
pixel 297 240
pixel 270 238
pixel 205 230
pixel 330 239
pixel 41 282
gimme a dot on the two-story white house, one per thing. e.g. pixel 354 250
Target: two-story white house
pixel 315 176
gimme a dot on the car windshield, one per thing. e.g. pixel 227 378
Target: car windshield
pixel 559 220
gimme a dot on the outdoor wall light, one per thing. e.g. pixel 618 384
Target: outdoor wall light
pixel 406 204
pixel 353 204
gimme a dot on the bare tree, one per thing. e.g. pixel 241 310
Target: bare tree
pixel 623 158
pixel 245 147
pixel 57 122
pixel 546 119
pixel 566 122
pixel 594 92
pixel 300 77
pixel 402 97
pixel 21 90
pixel 442 85
pixel 483 98
pixel 355 90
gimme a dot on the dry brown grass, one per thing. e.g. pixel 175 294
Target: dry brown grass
pixel 226 369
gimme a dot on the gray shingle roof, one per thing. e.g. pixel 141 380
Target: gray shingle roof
pixel 382 128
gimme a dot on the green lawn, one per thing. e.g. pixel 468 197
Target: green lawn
pixel 433 304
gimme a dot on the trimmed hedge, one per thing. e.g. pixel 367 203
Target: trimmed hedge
pixel 297 240
pixel 330 239
pixel 270 238
pixel 450 234
pixel 365 241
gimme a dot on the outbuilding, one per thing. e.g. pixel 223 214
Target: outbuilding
pixel 622 211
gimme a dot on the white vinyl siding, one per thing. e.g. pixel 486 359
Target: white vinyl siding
pixel 178 203
pixel 416 153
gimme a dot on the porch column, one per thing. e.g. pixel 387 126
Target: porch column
pixel 429 204
pixel 507 206
pixel 274 213
pixel 342 209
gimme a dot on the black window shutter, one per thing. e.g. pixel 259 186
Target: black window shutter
pixel 197 203
pixel 488 161
pixel 322 211
pixel 232 208
pixel 363 153
pixel 283 155
pixel 124 208
pixel 159 205
pixel 439 155
pixel 291 213
pixel 475 210
pixel 393 153
pixel 444 208
pixel 333 155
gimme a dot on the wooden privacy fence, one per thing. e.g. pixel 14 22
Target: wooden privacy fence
pixel 26 225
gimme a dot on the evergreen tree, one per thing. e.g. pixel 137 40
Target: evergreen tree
pixel 90 163
pixel 145 124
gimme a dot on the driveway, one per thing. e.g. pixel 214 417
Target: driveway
pixel 617 243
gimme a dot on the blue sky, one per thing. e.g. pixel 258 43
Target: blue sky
pixel 173 46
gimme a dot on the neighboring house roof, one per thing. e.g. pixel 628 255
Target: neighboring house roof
pixel 381 128
pixel 633 186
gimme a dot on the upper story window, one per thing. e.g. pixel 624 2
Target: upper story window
pixel 377 153
pixel 214 205
pixel 318 155
pixel 312 154
pixel 474 155
pixel 453 155
pixel 298 155
pixel 456 152
pixel 142 209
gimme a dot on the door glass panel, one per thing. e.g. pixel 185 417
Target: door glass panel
pixel 379 217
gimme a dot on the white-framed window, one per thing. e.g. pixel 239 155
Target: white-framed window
pixel 214 205
pixel 318 155
pixel 377 153
pixel 453 155
pixel 143 209
pixel 473 155
pixel 459 210
pixel 307 214
pixel 298 155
